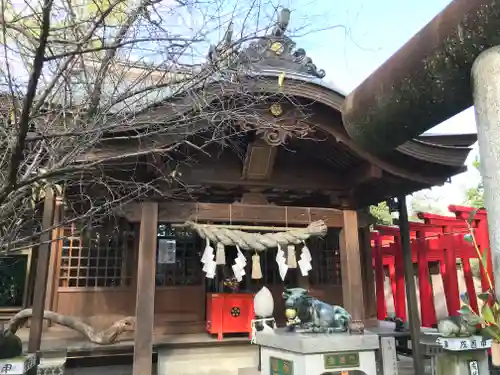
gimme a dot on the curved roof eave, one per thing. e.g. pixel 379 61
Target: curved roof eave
pixel 453 156
pixel 307 78
pixel 301 85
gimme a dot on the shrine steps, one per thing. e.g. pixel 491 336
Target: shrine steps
pixel 7 313
pixel 222 360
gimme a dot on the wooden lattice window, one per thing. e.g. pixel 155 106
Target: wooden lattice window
pixel 326 259
pixel 178 257
pixel 270 271
pixel 12 279
pixel 94 258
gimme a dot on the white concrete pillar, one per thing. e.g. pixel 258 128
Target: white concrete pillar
pixel 486 92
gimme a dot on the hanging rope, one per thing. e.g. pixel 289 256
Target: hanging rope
pixel 258 241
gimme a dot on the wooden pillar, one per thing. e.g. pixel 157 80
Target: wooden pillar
pixel 42 269
pixel 411 292
pixel 55 248
pixel 367 275
pixel 28 281
pixel 145 294
pixel 352 281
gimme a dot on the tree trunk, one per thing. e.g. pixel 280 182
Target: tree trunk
pixel 104 337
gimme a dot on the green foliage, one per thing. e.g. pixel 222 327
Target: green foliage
pixel 381 213
pixel 489 315
pixel 475 196
pixel 475 266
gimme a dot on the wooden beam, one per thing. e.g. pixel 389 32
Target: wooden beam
pixel 363 174
pixel 350 266
pixel 42 269
pixel 145 294
pixel 253 198
pixel 180 212
pixel 284 177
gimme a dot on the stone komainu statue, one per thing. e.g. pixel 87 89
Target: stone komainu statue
pixel 314 315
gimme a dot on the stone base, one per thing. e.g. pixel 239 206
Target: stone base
pixel 248 371
pixel 221 360
pixel 315 354
pixel 51 366
pixel 457 355
pixel 472 362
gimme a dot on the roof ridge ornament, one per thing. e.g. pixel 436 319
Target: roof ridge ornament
pixel 277 50
pixel 274 51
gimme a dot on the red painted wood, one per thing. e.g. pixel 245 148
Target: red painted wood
pixel 469 284
pixel 392 278
pixel 452 292
pixel 444 243
pixel 400 308
pixel 379 278
pixel 219 318
pixel 428 312
pixel 480 223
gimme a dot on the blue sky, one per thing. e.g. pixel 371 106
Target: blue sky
pixel 376 30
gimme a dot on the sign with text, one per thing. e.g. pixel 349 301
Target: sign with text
pixel 18 365
pixel 166 251
pixel 341 360
pixel 473 368
pixel 281 366
pixel 433 350
pixel 457 344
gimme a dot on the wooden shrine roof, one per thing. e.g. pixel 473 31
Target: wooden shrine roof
pixel 251 71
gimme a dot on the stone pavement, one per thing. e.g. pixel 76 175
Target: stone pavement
pixel 405 368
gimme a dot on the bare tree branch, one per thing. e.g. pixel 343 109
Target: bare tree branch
pixel 107 102
pixel 24 120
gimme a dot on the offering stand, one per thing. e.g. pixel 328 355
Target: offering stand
pixel 229 313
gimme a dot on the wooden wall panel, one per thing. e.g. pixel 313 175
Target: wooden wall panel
pixel 180 309
pixel 177 309
pixel 331 294
pixel 104 305
pixel 180 299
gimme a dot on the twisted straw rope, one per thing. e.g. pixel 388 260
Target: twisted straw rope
pixel 258 241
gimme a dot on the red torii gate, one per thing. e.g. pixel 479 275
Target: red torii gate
pixel 438 239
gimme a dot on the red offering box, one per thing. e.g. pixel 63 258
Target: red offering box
pixel 229 313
